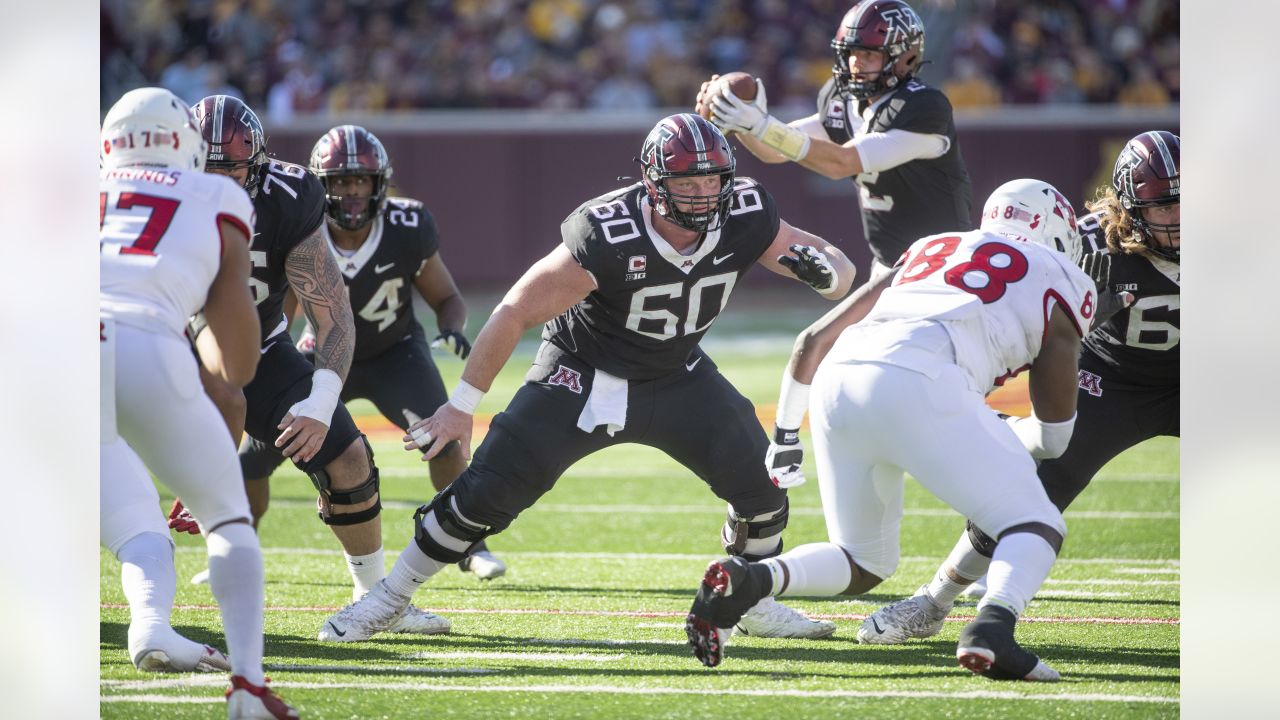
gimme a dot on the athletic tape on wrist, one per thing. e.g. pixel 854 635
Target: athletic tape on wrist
pixel 466 397
pixel 793 401
pixel 792 143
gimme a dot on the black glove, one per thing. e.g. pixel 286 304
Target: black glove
pixel 810 266
pixel 1097 266
pixel 461 347
pixel 784 457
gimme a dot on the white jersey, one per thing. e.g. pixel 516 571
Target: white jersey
pixel 992 295
pixel 160 244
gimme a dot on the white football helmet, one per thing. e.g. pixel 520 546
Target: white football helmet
pixel 1034 211
pixel 151 126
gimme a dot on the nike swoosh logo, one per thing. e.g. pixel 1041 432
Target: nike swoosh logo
pixel 722 258
pixel 874 624
pixel 379 269
pixel 693 364
pixel 335 629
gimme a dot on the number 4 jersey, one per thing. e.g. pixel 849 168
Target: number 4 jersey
pixel 159 242
pixel 992 294
pixel 652 305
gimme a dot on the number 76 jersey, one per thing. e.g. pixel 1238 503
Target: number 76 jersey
pixel 993 294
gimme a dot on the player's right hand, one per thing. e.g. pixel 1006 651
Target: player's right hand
pixel 181 520
pixel 433 435
pixel 1097 265
pixel 784 457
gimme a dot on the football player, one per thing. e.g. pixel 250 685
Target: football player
pixel 293 404
pixel 386 248
pixel 641 274
pixel 173 240
pixel 899 374
pixel 1128 383
pixel 876 123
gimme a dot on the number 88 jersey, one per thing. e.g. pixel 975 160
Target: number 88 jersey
pixel 993 294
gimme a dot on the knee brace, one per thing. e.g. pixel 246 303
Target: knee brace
pixel 368 489
pixel 755 538
pixel 982 542
pixel 1050 534
pixel 443 533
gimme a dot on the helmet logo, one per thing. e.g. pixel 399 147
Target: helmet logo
pixel 900 25
pixel 1063 209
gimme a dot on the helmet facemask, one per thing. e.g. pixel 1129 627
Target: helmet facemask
pixel 889 27
pixel 346 151
pixel 1147 175
pixel 687 145
pixel 706 213
pixel 351 212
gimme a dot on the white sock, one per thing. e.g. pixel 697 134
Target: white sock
pixel 150 582
pixel 235 577
pixel 820 569
pixel 366 571
pixel 1022 561
pixel 966 562
pixel 412 569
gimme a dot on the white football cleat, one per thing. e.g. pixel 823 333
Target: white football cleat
pixel 914 617
pixel 201 578
pixel 484 564
pixel 246 701
pixel 976 589
pixel 420 622
pixel 771 619
pixel 170 652
pixel 376 612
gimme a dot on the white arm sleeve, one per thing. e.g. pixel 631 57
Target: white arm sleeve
pixel 1043 440
pixel 811 126
pixel 882 151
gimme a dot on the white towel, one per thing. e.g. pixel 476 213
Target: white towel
pixel 606 405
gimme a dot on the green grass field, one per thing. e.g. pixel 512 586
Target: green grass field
pixel 588 620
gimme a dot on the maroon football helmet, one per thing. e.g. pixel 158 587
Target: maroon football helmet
pixel 889 26
pixel 1147 175
pixel 235 137
pixel 351 150
pixel 687 145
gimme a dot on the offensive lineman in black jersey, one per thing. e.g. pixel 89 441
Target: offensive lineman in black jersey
pixel 642 273
pixel 386 248
pixel 893 135
pixel 291 402
pixel 1129 364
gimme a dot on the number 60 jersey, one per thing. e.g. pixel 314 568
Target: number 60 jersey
pixel 652 305
pixel 992 294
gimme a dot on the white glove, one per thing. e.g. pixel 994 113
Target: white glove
pixel 784 457
pixel 731 113
pixel 307 343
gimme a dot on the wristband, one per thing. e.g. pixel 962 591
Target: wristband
pixel 1043 440
pixel 793 402
pixel 466 397
pixel 326 386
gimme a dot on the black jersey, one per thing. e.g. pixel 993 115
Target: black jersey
pixel 1138 345
pixel 652 304
pixel 289 207
pixel 918 198
pixel 380 274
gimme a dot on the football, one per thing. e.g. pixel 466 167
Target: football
pixel 742 84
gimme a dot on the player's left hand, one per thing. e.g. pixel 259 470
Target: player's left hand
pixel 302 436
pixel 811 266
pixel 433 435
pixel 731 113
pixel 460 346
pixel 1097 266
pixel 784 457
pixel 181 520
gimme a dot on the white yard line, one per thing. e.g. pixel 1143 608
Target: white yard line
pixel 626 690
pixel 1098 581
pixel 499 655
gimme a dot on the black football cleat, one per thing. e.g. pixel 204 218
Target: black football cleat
pixel 729 588
pixel 987 648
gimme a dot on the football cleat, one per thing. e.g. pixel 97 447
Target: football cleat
pixel 976 589
pixel 246 701
pixel 484 564
pixel 179 654
pixel 376 612
pixel 201 578
pixel 771 619
pixel 914 617
pixel 727 591
pixel 420 622
pixel 987 648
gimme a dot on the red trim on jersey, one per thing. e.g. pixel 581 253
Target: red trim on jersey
pixel 248 235
pixel 1051 293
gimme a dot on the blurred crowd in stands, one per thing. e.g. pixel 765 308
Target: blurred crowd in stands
pixel 287 57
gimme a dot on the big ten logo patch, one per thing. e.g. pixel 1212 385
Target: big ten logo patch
pixel 1090 383
pixel 636 267
pixel 567 377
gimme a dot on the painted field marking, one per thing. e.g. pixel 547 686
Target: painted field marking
pixel 1096 581
pixel 1147 571
pixel 378 669
pixel 1051 594
pixel 542 657
pixel 625 690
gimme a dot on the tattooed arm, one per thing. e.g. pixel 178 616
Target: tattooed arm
pixel 317 283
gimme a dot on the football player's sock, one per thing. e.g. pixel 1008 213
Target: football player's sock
pixel 235 577
pixel 964 561
pixel 1021 563
pixel 366 571
pixel 816 569
pixel 150 583
pixel 412 568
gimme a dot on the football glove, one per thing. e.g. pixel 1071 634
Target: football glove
pixel 733 114
pixel 460 346
pixel 811 266
pixel 307 343
pixel 180 519
pixel 783 458
pixel 1097 266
